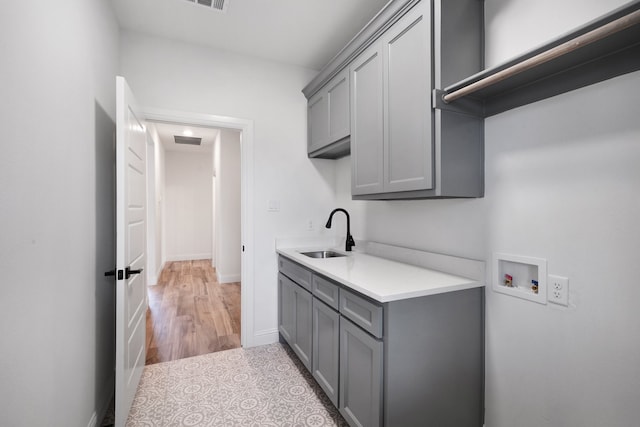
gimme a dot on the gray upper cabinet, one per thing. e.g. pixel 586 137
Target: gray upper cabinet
pixel 401 146
pixel 328 119
pixel 408 143
pixel 367 122
pixel 317 122
pixel 391 110
pixel 338 100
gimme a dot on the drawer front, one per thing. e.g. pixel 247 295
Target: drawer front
pixel 326 291
pixel 295 272
pixel 362 312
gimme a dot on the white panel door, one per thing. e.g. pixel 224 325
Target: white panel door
pixel 131 302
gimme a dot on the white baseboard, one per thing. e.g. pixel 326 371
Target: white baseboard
pixel 268 336
pixel 153 278
pixel 228 278
pixel 188 257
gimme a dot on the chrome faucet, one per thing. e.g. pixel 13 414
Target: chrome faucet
pixel 349 243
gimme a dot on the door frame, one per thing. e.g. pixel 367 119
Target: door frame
pixel 246 199
pixel 152 262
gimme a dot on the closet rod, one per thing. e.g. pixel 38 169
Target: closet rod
pixel 562 49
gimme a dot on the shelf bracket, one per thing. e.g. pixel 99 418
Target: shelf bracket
pixel 467 105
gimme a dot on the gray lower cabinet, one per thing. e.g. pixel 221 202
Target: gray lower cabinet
pixel 326 345
pixel 433 361
pixel 360 376
pixel 295 318
pixel 286 307
pixel 304 326
pixel 416 362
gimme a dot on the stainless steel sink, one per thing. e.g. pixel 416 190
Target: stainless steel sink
pixel 323 254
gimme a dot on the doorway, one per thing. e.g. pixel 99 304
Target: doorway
pixel 204 297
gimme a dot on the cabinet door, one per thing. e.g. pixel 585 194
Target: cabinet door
pixel 317 121
pixel 326 344
pixel 366 122
pixel 408 139
pixel 338 100
pixel 360 376
pixel 302 344
pixel 286 308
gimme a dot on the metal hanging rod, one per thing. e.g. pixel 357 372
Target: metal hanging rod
pixel 562 49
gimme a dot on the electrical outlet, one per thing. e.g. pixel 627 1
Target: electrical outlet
pixel 558 290
pixel 310 225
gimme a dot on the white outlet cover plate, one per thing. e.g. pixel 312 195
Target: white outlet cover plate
pixel 558 290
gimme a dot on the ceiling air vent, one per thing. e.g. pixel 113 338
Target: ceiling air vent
pixel 219 5
pixel 187 140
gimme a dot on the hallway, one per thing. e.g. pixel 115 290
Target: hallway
pixel 190 313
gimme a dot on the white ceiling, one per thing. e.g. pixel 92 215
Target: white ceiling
pixel 299 32
pixel 166 131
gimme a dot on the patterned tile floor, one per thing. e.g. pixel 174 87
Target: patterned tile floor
pixel 261 386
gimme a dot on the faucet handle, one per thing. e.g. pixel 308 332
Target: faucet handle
pixel 349 243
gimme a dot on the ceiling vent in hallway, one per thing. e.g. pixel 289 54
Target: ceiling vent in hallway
pixel 219 5
pixel 187 140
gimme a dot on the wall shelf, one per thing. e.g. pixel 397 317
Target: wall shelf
pixel 604 48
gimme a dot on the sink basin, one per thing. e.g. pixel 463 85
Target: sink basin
pixel 323 254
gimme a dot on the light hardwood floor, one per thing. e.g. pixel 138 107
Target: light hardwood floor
pixel 190 313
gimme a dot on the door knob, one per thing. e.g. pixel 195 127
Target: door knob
pixel 113 273
pixel 128 272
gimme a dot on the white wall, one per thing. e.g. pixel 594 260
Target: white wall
pixel 568 166
pixel 227 217
pixel 188 205
pixel 176 76
pixel 562 183
pixel 57 193
pixel 156 177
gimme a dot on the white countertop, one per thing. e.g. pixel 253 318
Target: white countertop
pixel 379 278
